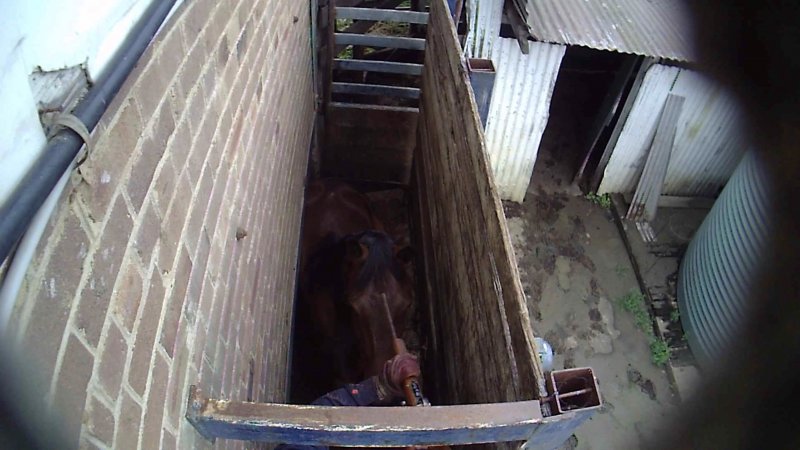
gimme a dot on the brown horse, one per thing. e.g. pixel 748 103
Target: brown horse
pixel 347 263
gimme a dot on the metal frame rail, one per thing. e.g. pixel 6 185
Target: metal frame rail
pixel 381 426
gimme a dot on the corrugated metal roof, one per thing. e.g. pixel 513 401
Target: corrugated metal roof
pixel 484 18
pixel 658 28
pixel 519 111
pixel 709 140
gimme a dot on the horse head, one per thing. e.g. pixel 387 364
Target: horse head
pixel 375 267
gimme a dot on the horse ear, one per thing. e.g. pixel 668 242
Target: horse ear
pixel 404 254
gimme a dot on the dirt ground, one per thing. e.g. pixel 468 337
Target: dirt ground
pixel 575 269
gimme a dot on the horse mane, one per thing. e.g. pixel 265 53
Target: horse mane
pixel 380 260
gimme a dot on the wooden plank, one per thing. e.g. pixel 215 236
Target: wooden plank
pixel 363 426
pixel 370 40
pixel 375 89
pixel 481 315
pixel 384 15
pixel 378 66
pixel 645 199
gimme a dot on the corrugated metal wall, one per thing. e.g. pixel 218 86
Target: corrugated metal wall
pixel 708 144
pixel 721 264
pixel 483 20
pixel 659 28
pixel 519 111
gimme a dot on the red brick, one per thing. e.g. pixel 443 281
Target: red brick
pixel 146 335
pixel 152 150
pixel 70 393
pixel 106 262
pixel 181 145
pixel 167 441
pixel 100 422
pixel 175 391
pixel 196 109
pixel 112 361
pixel 172 51
pixel 154 412
pixel 128 295
pixel 177 97
pixel 148 233
pixel 199 341
pixel 173 224
pixel 151 88
pixel 199 209
pixel 104 168
pixel 194 165
pixel 45 330
pixel 215 203
pixel 164 185
pixel 175 303
pixel 130 416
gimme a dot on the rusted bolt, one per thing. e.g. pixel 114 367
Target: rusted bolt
pixel 241 233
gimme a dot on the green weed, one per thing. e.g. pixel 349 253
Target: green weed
pixel 347 53
pixel 634 302
pixel 675 315
pixel 659 352
pixel 600 200
pixel 342 24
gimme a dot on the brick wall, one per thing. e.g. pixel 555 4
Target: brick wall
pixel 171 259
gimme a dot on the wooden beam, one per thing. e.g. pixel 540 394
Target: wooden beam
pixel 369 40
pixel 367 65
pixel 375 89
pixel 648 190
pixel 384 15
pixel 365 426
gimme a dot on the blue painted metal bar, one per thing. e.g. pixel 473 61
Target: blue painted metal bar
pixel 481 78
pixel 374 89
pixel 385 15
pixel 365 426
pixel 378 66
pixel 370 40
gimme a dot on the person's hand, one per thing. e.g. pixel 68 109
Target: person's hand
pixel 396 371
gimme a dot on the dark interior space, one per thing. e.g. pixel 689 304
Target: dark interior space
pixel 579 102
pixel 312 374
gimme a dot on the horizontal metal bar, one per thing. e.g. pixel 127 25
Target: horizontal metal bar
pixel 374 89
pixel 385 15
pixel 371 40
pixel 378 66
pixel 342 105
pixel 364 426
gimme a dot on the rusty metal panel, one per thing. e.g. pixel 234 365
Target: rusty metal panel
pixel 657 28
pixel 709 140
pixel 519 111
